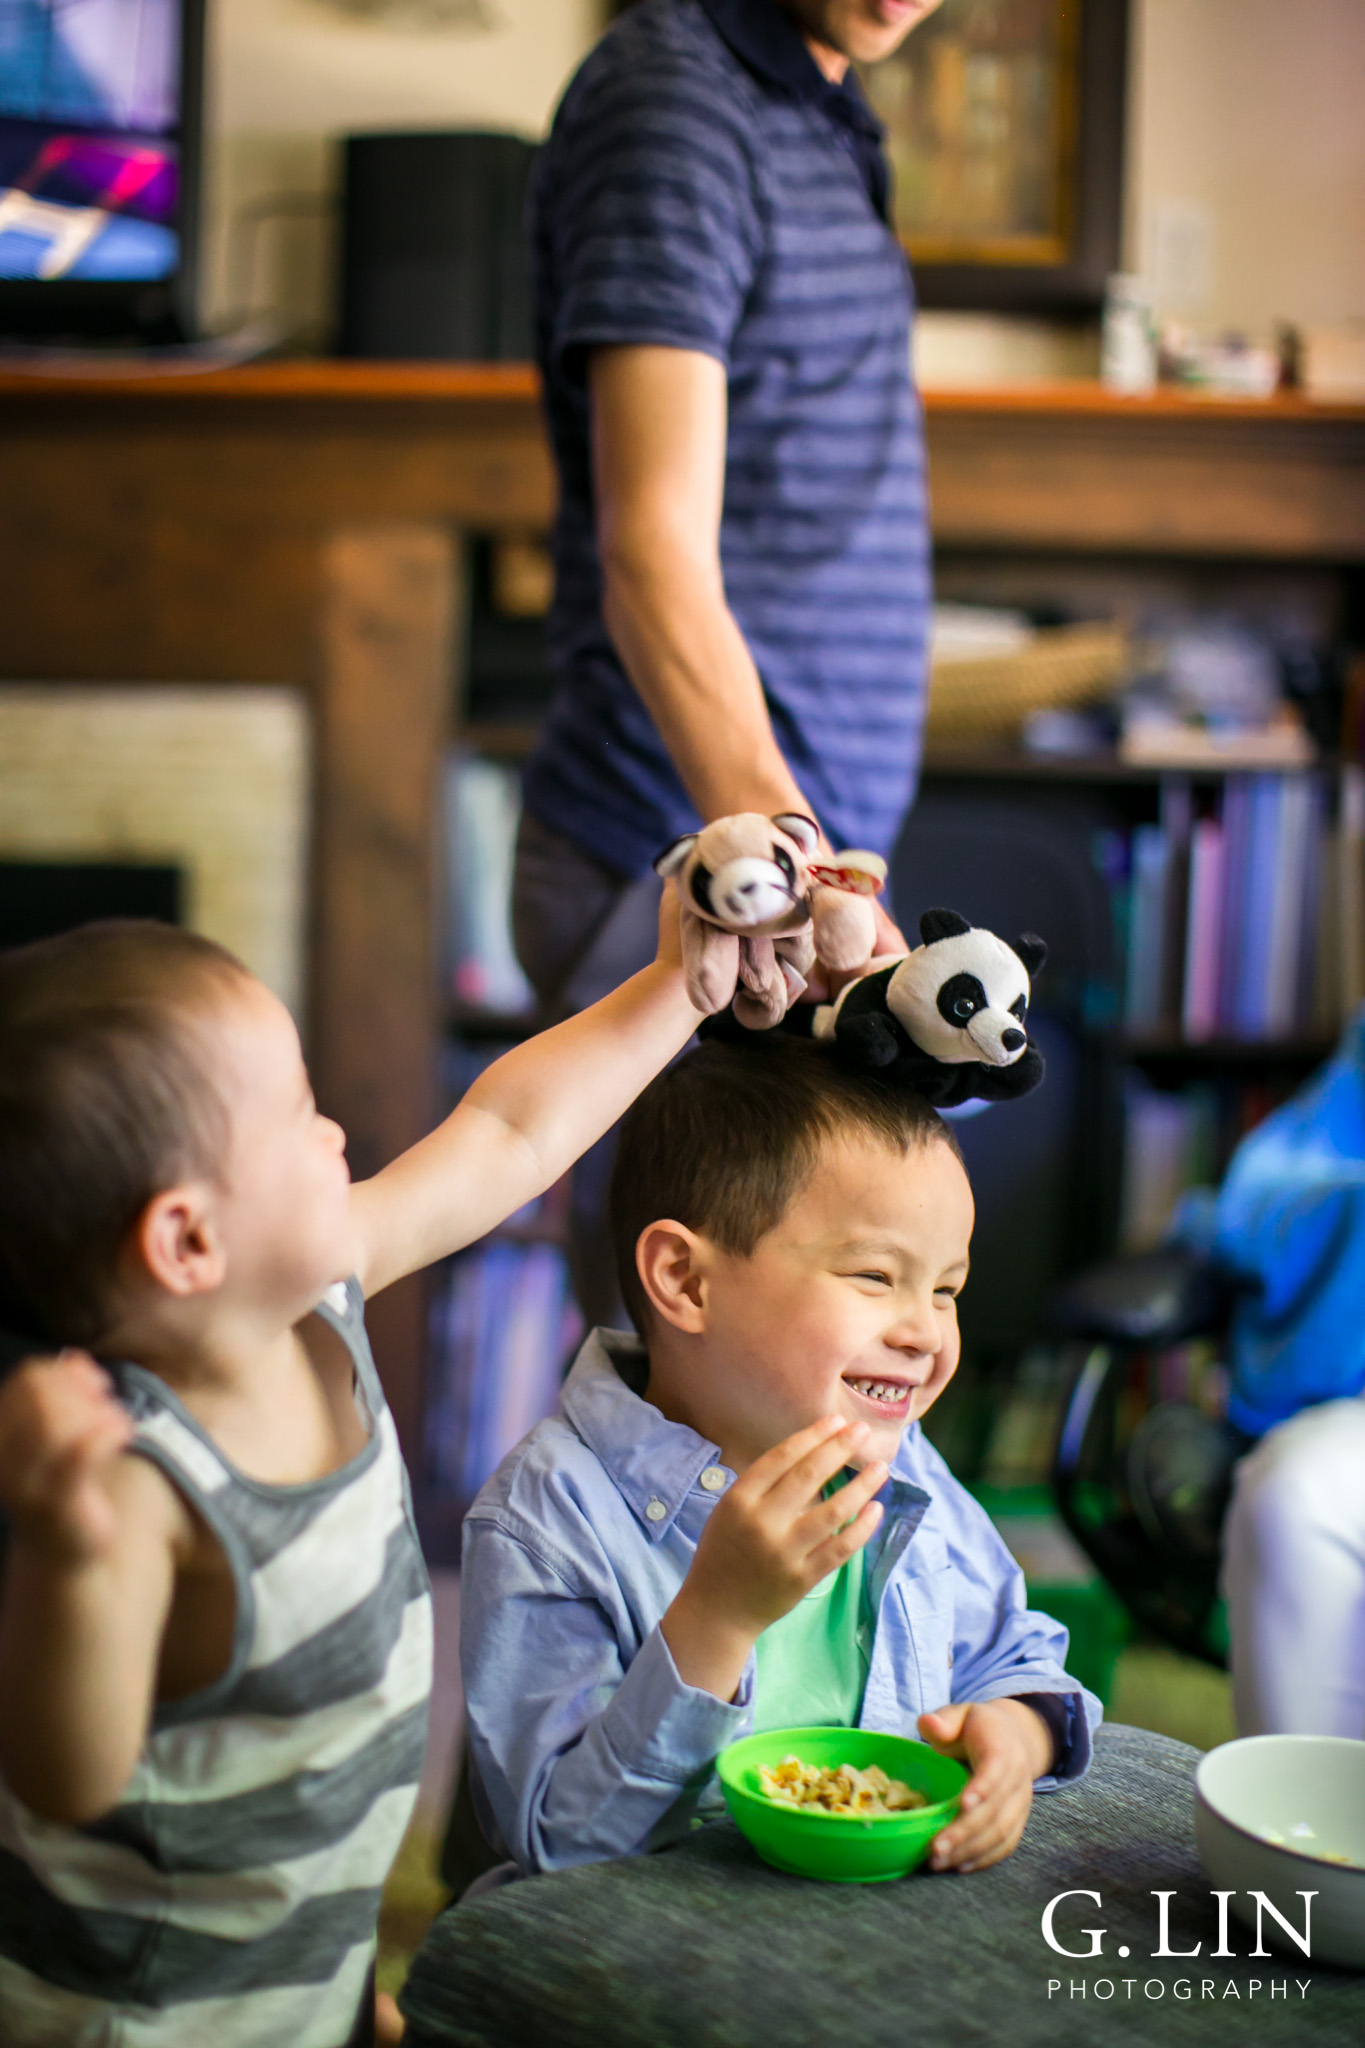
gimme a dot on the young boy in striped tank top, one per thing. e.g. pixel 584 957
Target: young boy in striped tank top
pixel 215 1633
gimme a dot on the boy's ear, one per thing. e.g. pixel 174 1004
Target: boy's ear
pixel 176 1243
pixel 670 1260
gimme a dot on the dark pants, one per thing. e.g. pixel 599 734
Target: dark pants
pixel 581 930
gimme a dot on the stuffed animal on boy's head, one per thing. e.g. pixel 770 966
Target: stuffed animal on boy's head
pixel 757 911
pixel 949 1018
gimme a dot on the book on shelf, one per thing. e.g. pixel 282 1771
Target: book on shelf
pixel 1247 922
pixel 1147 909
pixel 1203 932
pixel 1170 1143
pixel 1349 850
pixel 1179 1138
pixel 1248 1013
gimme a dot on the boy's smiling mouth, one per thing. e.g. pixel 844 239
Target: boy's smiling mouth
pixel 887 1397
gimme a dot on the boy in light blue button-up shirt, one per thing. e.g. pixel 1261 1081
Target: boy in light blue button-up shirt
pixel 792 1238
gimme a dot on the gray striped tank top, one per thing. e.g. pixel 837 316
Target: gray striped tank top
pixel 230 1899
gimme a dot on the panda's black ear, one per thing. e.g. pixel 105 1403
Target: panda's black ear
pixel 1031 950
pixel 941 924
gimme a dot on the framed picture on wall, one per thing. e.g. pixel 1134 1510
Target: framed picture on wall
pixel 1004 130
pixel 1004 124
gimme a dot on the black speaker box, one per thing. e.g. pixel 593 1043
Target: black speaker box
pixel 435 261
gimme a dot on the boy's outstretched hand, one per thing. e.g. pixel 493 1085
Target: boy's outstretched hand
pixel 768 1541
pixel 60 1427
pixel 1007 1746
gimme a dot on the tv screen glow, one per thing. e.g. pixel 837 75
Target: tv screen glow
pixel 90 132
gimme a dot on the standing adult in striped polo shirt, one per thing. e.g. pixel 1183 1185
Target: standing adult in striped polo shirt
pixel 742 561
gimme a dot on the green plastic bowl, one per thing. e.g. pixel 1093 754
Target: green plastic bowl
pixel 866 1849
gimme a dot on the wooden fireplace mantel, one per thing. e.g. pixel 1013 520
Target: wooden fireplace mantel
pixel 300 522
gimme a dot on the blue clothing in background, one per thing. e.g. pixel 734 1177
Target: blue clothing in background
pixel 706 188
pixel 1289 1219
pixel 586 1742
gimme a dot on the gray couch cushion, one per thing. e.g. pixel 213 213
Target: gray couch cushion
pixel 705 1945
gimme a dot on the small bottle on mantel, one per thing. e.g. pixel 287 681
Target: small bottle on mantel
pixel 1128 340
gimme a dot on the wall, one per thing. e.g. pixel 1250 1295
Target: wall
pixel 287 77
pixel 1247 135
pixel 1247 149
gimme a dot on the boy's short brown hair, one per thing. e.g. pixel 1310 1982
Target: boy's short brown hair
pixel 725 1139
pixel 106 1098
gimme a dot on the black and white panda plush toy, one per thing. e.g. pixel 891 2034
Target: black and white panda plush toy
pixel 949 1018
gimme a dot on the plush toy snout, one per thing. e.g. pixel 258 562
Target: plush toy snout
pixel 997 1038
pixel 748 892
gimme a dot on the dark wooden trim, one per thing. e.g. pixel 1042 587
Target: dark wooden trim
pixel 307 378
pixel 497 396
pixel 1189 481
pixel 388 610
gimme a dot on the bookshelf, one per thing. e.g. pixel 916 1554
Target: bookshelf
pixel 306 522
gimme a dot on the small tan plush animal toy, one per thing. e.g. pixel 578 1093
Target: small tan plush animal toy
pixel 757 911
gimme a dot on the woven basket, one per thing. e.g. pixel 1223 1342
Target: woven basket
pixel 989 698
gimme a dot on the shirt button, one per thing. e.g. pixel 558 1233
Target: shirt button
pixel 713 1479
pixel 656 1511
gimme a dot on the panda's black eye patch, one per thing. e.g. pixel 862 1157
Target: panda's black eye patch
pixel 959 999
pixel 1019 1008
pixel 701 888
pixel 785 862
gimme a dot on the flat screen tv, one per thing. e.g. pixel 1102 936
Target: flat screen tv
pixel 99 168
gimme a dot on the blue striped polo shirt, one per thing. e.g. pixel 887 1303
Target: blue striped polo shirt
pixel 705 187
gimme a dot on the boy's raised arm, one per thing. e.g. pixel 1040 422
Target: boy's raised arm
pixel 524 1121
pixel 88 1578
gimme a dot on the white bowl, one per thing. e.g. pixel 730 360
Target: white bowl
pixel 1274 1813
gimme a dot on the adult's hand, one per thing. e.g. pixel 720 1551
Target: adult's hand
pixel 823 983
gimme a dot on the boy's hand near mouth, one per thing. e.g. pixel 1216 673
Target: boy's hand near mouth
pixel 768 1542
pixel 1007 1745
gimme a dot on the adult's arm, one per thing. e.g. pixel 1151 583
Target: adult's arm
pixel 659 421
pixel 658 447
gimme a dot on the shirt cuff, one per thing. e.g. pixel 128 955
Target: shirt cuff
pixel 1053 1710
pixel 664 1729
pixel 1070 1732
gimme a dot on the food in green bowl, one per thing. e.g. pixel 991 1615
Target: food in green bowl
pixel 810 1841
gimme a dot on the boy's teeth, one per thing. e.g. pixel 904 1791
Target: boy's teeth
pixel 878 1390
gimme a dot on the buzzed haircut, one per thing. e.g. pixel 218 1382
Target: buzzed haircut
pixel 106 1099
pixel 725 1139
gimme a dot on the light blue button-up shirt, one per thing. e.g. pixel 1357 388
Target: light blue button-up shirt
pixel 586 1743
